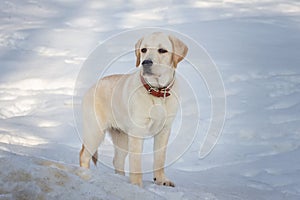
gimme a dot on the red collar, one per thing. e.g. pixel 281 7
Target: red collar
pixel 157 92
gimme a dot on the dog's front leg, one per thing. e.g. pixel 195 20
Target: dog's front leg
pixel 160 147
pixel 135 147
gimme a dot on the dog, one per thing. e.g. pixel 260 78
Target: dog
pixel 132 107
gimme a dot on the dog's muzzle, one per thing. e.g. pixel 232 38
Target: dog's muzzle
pixel 147 63
pixel 147 66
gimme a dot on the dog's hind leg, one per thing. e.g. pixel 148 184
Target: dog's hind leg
pixel 91 141
pixel 93 131
pixel 120 140
pixel 89 151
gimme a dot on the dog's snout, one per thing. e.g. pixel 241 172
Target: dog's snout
pixel 147 63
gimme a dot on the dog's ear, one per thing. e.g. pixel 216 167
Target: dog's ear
pixel 138 52
pixel 179 50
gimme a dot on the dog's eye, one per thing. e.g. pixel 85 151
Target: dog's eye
pixel 143 50
pixel 162 50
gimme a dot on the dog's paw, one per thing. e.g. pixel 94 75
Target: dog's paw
pixel 164 182
pixel 136 179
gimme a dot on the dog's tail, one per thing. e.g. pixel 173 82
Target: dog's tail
pixel 95 158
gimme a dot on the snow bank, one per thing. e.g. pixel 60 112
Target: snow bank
pixel 25 177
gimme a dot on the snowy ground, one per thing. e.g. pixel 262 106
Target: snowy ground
pixel 256 46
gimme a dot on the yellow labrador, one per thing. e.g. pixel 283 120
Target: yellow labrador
pixel 135 106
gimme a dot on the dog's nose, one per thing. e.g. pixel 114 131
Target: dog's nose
pixel 147 63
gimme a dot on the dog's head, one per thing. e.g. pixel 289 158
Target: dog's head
pixel 158 55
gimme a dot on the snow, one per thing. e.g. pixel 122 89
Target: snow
pixel 255 45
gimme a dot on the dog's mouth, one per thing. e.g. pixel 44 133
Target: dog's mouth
pixel 147 71
pixel 150 74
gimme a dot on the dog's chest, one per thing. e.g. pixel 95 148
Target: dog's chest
pixel 160 114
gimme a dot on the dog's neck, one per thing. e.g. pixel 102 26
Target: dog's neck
pixel 163 91
pixel 160 82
